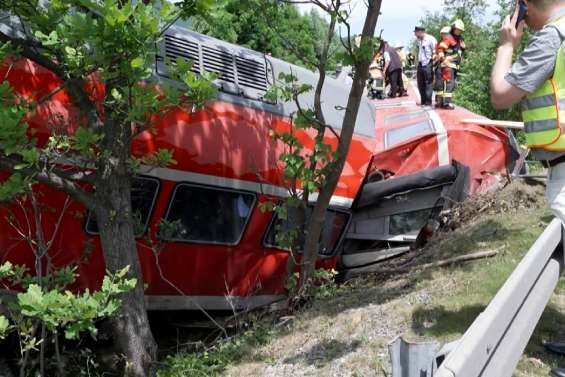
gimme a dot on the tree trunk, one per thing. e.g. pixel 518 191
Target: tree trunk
pixel 316 221
pixel 132 334
pixel 296 248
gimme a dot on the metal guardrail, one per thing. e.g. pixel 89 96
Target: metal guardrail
pixel 493 344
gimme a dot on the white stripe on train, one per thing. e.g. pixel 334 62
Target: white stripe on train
pixel 176 175
pixel 442 142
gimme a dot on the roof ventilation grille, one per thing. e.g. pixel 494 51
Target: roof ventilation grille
pixel 251 74
pixel 181 48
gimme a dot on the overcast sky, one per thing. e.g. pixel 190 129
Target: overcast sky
pixel 398 17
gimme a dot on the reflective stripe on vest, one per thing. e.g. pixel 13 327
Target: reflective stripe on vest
pixel 543 111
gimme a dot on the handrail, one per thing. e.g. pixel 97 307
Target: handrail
pixel 493 344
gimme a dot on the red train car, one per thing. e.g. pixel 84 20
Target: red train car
pixel 425 161
pixel 221 254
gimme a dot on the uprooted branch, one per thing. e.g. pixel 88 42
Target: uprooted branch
pixel 442 263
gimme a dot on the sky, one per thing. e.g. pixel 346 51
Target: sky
pixel 398 17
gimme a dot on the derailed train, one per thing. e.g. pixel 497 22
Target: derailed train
pixel 404 162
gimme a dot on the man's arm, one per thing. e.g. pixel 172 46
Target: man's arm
pixel 386 57
pixel 502 93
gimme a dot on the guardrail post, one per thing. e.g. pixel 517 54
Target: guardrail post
pixel 410 359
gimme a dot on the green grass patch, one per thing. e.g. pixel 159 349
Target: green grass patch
pixel 214 360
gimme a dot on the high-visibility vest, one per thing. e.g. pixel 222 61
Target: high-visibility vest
pixel 543 111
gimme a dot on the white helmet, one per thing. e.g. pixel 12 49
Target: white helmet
pixel 398 45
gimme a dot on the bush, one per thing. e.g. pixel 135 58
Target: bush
pixel 45 309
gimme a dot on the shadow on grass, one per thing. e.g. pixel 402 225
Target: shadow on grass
pixel 323 352
pixel 550 328
pixel 440 322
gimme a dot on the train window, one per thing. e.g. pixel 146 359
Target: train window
pixel 208 215
pixel 400 134
pixel 404 117
pixel 335 224
pixel 409 223
pixel 143 195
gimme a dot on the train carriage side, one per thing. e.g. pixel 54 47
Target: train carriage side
pixel 219 254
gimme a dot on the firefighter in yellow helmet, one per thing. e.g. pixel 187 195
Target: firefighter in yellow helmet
pixel 457 30
pixel 446 41
pixel 450 53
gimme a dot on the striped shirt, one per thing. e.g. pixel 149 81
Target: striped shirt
pixel 426 48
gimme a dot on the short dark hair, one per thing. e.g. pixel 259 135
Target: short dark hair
pixel 419 28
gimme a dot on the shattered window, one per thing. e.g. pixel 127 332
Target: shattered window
pixel 334 225
pixel 208 215
pixel 408 223
pixel 401 134
pixel 143 194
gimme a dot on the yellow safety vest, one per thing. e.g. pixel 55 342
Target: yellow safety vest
pixel 543 111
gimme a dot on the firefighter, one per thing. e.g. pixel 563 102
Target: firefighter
pixel 457 29
pixel 445 66
pixel 451 59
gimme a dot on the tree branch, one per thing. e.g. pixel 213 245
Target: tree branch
pixel 75 86
pixel 51 178
pixel 26 51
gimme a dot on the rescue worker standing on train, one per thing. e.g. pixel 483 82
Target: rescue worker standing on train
pixel 457 30
pixel 537 81
pixel 446 41
pixel 392 70
pixel 449 52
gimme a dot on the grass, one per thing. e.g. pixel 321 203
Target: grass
pixel 347 335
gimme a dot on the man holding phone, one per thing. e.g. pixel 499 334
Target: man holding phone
pixel 537 80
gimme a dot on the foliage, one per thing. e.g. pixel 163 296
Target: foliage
pixel 101 54
pixel 124 41
pixel 323 284
pixel 45 307
pixel 273 27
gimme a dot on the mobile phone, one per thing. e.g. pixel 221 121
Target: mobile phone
pixel 522 11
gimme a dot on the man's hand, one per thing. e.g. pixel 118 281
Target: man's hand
pixel 509 35
pixel 503 94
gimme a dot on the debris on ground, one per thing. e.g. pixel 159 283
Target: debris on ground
pixel 515 197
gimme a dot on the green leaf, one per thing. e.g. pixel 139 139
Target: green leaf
pixel 116 94
pixel 137 62
pixel 13 187
pixel 30 156
pixel 4 326
pixel 6 270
